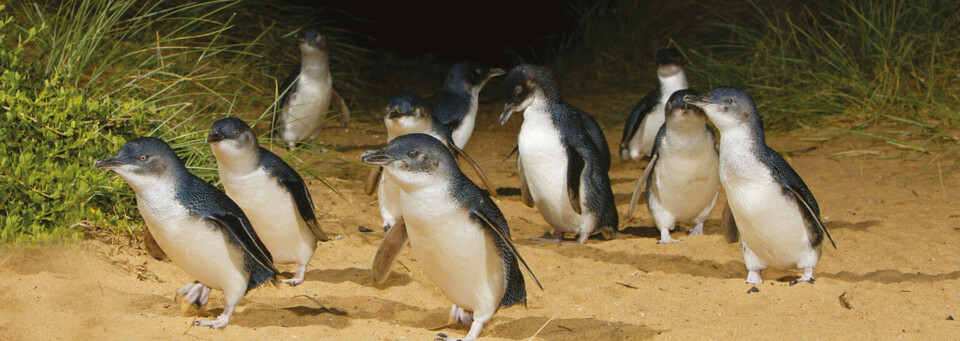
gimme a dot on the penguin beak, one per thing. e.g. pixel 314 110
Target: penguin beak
pixel 695 100
pixel 377 157
pixel 108 163
pixel 496 72
pixel 214 138
pixel 507 111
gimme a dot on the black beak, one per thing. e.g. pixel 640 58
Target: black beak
pixel 108 163
pixel 695 100
pixel 496 72
pixel 214 137
pixel 377 157
pixel 507 111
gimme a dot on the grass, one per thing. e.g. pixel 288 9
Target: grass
pixel 883 69
pixel 81 77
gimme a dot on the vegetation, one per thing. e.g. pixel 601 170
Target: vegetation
pixel 886 69
pixel 81 77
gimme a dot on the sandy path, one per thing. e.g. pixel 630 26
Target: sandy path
pixel 897 226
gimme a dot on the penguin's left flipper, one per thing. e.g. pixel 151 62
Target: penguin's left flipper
pixel 729 225
pixel 301 196
pixel 644 107
pixel 243 233
pixel 791 181
pixel 340 107
pixel 388 251
pixel 639 189
pixel 575 167
pixel 373 180
pixel 498 232
pixel 288 87
pixel 483 176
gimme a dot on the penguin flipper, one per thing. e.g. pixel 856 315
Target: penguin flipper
pixel 729 225
pixel 644 107
pixel 641 182
pixel 524 188
pixel 388 251
pixel 793 184
pixel 241 231
pixel 483 176
pixel 301 196
pixel 340 107
pixel 514 150
pixel 575 167
pixel 373 180
pixel 499 234
pixel 288 87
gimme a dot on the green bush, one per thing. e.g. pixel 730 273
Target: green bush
pixel 52 134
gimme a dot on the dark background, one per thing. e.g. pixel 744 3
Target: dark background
pixel 494 32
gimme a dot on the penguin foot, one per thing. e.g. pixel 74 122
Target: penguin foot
pixel 668 240
pixel 460 315
pixel 556 238
pixel 807 277
pixel 753 277
pixel 221 320
pixel 298 278
pixel 696 230
pixel 195 293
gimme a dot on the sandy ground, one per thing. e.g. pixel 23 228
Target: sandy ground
pixel 894 275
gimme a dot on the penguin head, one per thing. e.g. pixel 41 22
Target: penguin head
pixel 232 137
pixel 406 104
pixel 414 161
pixel 670 62
pixel 727 108
pixel 523 84
pixel 470 75
pixel 680 114
pixel 143 161
pixel 312 40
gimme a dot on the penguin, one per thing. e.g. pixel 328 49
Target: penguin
pixel 648 115
pixel 407 113
pixel 308 93
pixel 773 211
pixel 681 179
pixel 562 157
pixel 270 192
pixel 199 228
pixel 456 232
pixel 455 105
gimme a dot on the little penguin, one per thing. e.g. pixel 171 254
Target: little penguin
pixel 457 233
pixel 202 231
pixel 774 212
pixel 308 93
pixel 681 179
pixel 407 113
pixel 562 157
pixel 455 105
pixel 647 116
pixel 270 192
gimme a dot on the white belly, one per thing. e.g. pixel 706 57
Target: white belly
pixel 770 224
pixel 545 167
pixel 388 196
pixel 454 251
pixel 199 248
pixel 305 109
pixel 274 215
pixel 462 134
pixel 686 185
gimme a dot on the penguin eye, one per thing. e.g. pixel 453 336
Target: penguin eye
pixel 728 100
pixel 518 89
pixel 478 71
pixel 236 133
pixel 412 153
pixel 142 157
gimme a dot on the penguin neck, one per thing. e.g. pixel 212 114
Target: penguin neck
pixel 421 184
pixel 459 86
pixel 407 125
pixel 744 139
pixel 540 105
pixel 672 83
pixel 314 64
pixel 236 162
pixel 688 135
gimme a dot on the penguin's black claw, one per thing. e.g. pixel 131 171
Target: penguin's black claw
pixel 441 337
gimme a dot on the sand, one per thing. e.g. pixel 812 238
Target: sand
pixel 894 274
